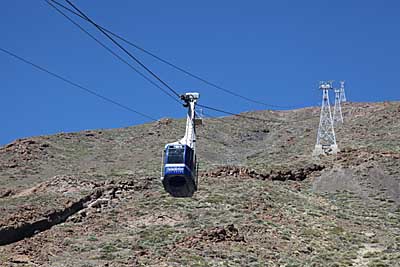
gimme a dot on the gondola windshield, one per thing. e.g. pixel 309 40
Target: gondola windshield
pixel 175 155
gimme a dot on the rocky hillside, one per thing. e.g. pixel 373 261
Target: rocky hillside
pixel 94 198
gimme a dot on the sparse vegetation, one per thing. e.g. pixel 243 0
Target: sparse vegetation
pixel 344 214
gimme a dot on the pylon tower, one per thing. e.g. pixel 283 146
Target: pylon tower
pixel 337 110
pixel 326 139
pixel 342 93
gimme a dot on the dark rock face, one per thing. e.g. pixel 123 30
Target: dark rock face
pixel 293 175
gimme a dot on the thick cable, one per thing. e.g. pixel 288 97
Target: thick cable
pixel 104 31
pixel 235 114
pixel 92 92
pixel 195 76
pixel 111 51
pixel 124 49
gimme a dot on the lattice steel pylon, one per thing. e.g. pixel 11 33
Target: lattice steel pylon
pixel 342 93
pixel 326 139
pixel 337 110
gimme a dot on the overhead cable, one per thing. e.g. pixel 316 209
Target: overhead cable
pixel 235 114
pixel 104 31
pixel 123 60
pixel 112 52
pixel 181 69
pixel 123 49
pixel 92 92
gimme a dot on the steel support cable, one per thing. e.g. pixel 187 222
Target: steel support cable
pixel 111 51
pixel 235 114
pixel 251 117
pixel 92 92
pixel 83 16
pixel 195 76
pixel 124 49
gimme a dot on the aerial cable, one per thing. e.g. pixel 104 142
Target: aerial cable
pixel 124 61
pixel 103 30
pixel 124 49
pixel 235 114
pixel 251 117
pixel 92 92
pixel 195 76
pixel 112 52
pixel 130 65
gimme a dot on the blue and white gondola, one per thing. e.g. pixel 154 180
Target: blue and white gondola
pixel 179 172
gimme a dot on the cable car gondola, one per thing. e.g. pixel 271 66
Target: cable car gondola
pixel 179 173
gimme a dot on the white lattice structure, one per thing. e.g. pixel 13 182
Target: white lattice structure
pixel 337 110
pixel 326 139
pixel 342 92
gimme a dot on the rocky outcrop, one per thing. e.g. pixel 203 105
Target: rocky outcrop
pixel 227 233
pixel 243 172
pixel 94 200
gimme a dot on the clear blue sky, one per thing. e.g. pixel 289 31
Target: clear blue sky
pixel 274 51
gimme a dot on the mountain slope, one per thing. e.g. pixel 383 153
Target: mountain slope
pixel 94 198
